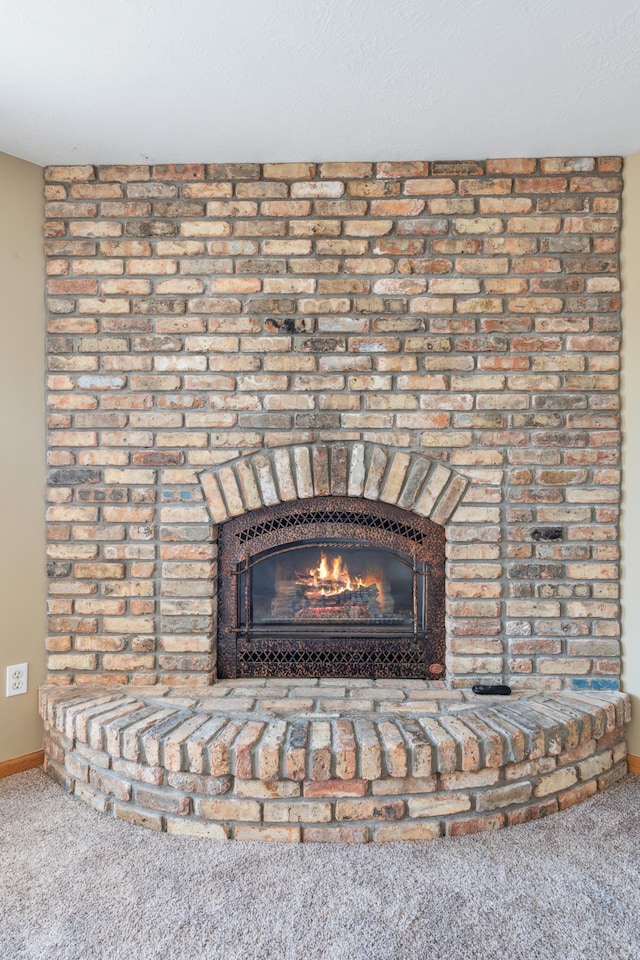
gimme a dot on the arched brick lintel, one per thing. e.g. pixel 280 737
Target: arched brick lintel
pixel 406 479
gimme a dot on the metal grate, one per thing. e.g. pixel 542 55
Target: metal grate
pixel 371 521
pixel 297 649
pixel 361 659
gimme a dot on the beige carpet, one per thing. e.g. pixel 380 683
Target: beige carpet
pixel 75 885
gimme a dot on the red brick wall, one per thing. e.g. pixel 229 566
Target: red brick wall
pixel 469 311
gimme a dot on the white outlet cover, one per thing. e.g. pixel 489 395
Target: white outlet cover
pixel 17 679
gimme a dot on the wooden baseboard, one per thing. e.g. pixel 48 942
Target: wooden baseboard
pixel 633 763
pixel 27 762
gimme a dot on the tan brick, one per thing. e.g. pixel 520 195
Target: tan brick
pixel 531 812
pixel 503 796
pixel 595 184
pixel 511 166
pixel 287 247
pixel 69 174
pixel 90 796
pixel 233 171
pixel 73 661
pixel 583 791
pixel 228 809
pixel 336 834
pixel 236 285
pixel 397 208
pixel 315 228
pixel 534 224
pixel 296 811
pixel 479 225
pixel 141 818
pixel 368 228
pixel 278 834
pixel 103 305
pixel 189 827
pixel 126 248
pixel 317 189
pixel 122 173
pixel 369 809
pixel 539 185
pixel 267 789
pixel 567 164
pixel 205 228
pixel 431 187
pixel 405 831
pixel 468 780
pixel 555 782
pixel 335 788
pixel 347 169
pixel 289 171
pixel 594 766
pixel 504 205
pixel 457 285
pixel 178 171
pixel 440 805
pixel 489 187
pixel 432 305
pixel 405 168
pixel 208 191
pixel 470 825
pixel 285 208
pixel 393 786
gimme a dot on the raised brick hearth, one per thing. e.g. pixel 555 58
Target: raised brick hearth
pixel 324 760
pixel 439 337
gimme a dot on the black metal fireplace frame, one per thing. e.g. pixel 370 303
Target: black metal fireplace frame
pixel 353 651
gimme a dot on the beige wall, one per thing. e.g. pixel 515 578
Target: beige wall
pixel 22 556
pixel 631 442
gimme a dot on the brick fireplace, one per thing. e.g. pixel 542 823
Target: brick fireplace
pixel 437 340
pixel 333 585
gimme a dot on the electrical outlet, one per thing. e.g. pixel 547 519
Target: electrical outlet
pixel 17 679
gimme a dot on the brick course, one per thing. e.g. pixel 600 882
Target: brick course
pixel 465 311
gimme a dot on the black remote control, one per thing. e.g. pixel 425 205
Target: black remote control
pixel 494 689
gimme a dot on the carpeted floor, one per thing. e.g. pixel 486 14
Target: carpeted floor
pixel 75 885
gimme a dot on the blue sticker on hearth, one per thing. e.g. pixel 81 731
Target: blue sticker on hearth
pixel 595 684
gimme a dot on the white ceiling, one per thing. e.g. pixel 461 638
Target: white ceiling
pixel 129 81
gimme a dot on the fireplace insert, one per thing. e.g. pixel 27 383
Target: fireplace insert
pixel 331 586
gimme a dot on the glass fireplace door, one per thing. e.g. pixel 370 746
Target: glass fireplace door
pixel 333 585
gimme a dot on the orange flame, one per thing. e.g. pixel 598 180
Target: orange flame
pixel 332 577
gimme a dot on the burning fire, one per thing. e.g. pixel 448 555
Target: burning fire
pixel 331 577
